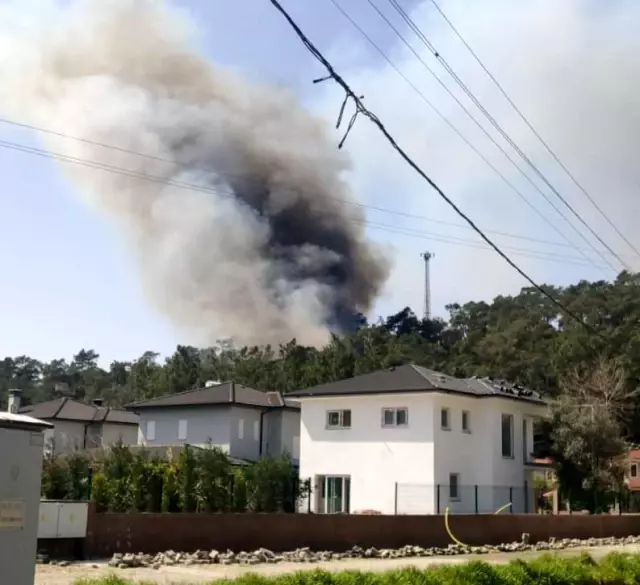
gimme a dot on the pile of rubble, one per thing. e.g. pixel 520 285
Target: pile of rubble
pixel 306 555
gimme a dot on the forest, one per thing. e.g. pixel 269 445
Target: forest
pixel 523 338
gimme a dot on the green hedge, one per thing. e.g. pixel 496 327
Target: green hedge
pixel 122 479
pixel 615 569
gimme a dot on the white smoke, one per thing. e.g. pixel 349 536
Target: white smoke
pixel 259 246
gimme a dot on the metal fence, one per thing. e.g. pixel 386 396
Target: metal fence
pixel 468 499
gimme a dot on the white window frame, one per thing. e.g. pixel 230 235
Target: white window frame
pixel 241 428
pixel 454 497
pixel 341 417
pixel 323 503
pixel 151 430
pixel 446 427
pixel 633 470
pixel 511 437
pixel 256 430
pixel 467 428
pixel 395 411
pixel 182 430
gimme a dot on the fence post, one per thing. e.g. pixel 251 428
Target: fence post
pixel 511 498
pixel 475 489
pixel 395 498
pixel 438 498
pixel 526 497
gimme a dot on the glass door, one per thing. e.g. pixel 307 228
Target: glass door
pixel 337 494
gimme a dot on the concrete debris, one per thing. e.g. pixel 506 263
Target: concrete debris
pixel 306 555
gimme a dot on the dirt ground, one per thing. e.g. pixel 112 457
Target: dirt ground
pixel 53 575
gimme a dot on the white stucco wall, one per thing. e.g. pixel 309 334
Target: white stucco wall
pixel 205 425
pixel 112 433
pixel 66 436
pixel 407 470
pixel 290 429
pixel 375 458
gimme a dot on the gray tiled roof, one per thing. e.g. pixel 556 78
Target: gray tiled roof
pixel 220 394
pixel 73 410
pixel 413 378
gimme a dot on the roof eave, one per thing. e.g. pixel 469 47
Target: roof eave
pixel 522 399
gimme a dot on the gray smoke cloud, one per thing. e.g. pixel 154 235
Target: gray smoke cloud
pixel 261 246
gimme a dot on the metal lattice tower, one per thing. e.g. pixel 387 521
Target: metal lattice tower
pixel 427 284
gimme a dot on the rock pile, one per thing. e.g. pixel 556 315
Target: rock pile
pixel 306 555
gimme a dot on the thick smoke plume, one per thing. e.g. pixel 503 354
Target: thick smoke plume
pixel 262 245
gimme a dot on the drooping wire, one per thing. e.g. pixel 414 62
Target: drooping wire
pixel 172 162
pixel 424 98
pixel 533 130
pixel 219 192
pixel 425 41
pixel 376 121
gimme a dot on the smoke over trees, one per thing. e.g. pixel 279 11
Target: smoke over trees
pixel 235 207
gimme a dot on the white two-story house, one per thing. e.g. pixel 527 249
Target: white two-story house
pixel 245 423
pixel 409 440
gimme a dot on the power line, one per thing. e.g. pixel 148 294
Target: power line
pixel 530 126
pixel 394 229
pixel 492 121
pixel 470 144
pixel 362 110
pixel 172 162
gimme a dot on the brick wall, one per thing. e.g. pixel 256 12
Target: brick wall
pixel 151 533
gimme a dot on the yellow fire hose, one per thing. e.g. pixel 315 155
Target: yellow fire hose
pixel 451 535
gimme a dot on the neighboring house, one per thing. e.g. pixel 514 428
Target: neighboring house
pixel 245 423
pixel 409 440
pixel 633 475
pixel 83 426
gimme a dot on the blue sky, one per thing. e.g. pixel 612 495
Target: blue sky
pixel 69 282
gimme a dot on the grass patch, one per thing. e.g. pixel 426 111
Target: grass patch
pixel 615 569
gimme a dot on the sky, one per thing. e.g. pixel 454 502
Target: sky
pixel 69 280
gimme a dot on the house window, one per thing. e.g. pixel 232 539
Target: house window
pixel 633 470
pixel 256 430
pixel 466 426
pixel 525 442
pixel 339 419
pixel 241 428
pixel 182 430
pixel 444 419
pixel 151 430
pixel 454 486
pixel 395 417
pixel 507 435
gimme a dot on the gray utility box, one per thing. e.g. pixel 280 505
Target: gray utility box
pixel 21 449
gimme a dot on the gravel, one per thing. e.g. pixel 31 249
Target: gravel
pixel 263 556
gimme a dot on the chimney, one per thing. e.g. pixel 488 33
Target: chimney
pixel 98 402
pixel 14 400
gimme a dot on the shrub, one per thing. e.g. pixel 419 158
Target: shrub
pixel 615 569
pixel 121 479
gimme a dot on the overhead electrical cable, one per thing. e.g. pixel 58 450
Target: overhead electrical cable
pixel 395 229
pixel 407 19
pixel 365 206
pixel 362 110
pixel 475 149
pixel 533 130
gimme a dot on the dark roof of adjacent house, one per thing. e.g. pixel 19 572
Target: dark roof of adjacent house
pixel 66 408
pixel 219 395
pixel 413 378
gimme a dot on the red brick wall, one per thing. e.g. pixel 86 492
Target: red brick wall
pixel 151 533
